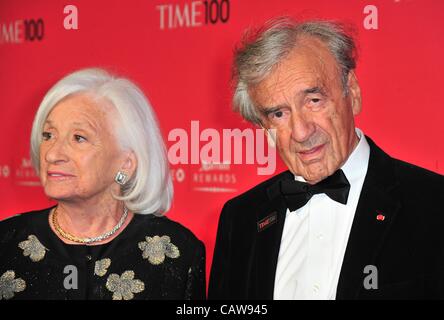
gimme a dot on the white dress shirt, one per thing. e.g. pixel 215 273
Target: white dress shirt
pixel 315 237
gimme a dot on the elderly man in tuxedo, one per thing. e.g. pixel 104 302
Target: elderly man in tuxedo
pixel 346 221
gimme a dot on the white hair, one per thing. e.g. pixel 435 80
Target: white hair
pixel 150 189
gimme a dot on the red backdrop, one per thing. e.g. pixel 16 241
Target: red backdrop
pixel 179 52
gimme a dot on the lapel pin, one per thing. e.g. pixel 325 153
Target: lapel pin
pixel 267 221
pixel 380 216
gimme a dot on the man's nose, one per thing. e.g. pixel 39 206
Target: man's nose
pixel 302 127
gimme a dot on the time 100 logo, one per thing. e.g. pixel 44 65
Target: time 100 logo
pixel 193 14
pixel 216 11
pixel 19 31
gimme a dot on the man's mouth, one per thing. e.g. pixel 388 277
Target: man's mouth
pixel 311 153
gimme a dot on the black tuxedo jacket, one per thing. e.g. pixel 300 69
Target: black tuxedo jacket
pixel 407 247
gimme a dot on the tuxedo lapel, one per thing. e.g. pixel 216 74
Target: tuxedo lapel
pixel 269 226
pixel 377 209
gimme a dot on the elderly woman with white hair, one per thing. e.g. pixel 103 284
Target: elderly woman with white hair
pixel 97 148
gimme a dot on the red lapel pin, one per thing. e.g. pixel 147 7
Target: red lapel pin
pixel 380 216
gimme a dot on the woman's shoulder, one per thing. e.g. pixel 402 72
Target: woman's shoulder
pixel 161 226
pixel 21 223
pixel 22 218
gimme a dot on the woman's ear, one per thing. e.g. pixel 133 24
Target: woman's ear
pixel 130 163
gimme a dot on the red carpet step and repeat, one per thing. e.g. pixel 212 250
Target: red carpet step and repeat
pixel 180 52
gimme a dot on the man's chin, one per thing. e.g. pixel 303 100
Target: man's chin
pixel 315 174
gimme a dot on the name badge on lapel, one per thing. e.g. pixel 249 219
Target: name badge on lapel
pixel 267 222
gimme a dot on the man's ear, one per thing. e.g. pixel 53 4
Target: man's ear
pixel 354 92
pixel 130 163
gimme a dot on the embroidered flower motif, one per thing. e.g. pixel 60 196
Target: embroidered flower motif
pixel 9 285
pixel 33 248
pixel 156 248
pixel 101 267
pixel 124 287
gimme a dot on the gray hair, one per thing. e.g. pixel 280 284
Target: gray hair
pixel 262 50
pixel 150 189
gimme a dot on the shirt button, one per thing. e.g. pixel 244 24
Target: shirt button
pixel 320 236
pixel 316 288
pixel 88 257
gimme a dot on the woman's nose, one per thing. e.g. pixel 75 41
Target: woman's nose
pixel 55 152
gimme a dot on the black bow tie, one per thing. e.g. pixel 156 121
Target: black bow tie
pixel 297 193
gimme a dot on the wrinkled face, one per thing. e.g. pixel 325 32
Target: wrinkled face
pixel 79 155
pixel 303 100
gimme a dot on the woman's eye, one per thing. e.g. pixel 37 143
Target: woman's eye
pixel 46 135
pixel 79 138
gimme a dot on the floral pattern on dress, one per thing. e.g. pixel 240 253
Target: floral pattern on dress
pixel 101 267
pixel 9 285
pixel 33 248
pixel 156 248
pixel 124 286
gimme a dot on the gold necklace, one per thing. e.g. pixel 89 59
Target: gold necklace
pixel 73 238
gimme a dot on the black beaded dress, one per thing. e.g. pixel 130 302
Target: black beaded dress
pixel 152 258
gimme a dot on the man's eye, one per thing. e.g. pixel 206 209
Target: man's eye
pixel 46 135
pixel 79 138
pixel 315 103
pixel 278 114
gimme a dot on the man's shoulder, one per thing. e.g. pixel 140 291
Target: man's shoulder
pixel 412 172
pixel 405 172
pixel 415 182
pixel 254 197
pixel 417 178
